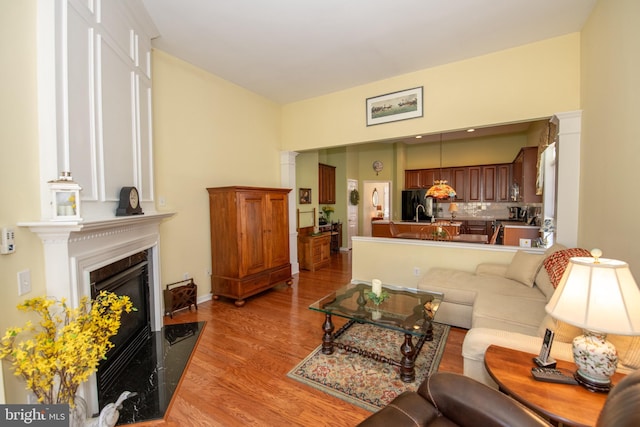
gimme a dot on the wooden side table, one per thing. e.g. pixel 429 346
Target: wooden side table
pixel 571 405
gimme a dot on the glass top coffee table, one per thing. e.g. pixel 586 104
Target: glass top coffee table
pixel 408 311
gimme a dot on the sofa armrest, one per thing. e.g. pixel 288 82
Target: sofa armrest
pixel 477 341
pixel 492 269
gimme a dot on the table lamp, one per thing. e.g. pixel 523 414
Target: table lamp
pixel 601 297
pixel 453 208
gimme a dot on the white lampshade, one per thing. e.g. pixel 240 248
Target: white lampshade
pixel 599 296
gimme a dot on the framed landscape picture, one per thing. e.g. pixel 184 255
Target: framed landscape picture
pixel 402 105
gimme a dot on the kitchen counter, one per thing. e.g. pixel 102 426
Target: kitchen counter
pixel 439 222
pixel 515 224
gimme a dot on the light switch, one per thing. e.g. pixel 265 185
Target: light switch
pixel 24 282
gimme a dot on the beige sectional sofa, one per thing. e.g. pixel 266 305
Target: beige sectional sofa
pixel 504 304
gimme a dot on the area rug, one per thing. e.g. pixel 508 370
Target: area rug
pixel 363 381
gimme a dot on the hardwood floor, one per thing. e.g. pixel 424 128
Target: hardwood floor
pixel 237 374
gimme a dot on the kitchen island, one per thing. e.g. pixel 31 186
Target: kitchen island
pixel 520 234
pixel 411 229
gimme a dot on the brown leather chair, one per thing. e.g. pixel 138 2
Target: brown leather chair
pixel 446 399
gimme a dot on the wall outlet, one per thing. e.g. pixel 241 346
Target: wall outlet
pixel 525 243
pixel 416 271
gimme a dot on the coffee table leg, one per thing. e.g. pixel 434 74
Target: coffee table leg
pixel 407 364
pixel 327 338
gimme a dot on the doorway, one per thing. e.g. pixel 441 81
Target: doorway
pixel 352 212
pixel 376 203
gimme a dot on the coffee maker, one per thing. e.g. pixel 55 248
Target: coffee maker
pixel 515 213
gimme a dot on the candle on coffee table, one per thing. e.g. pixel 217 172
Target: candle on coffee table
pixel 376 287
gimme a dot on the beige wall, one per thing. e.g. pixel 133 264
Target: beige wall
pixel 394 260
pixel 19 174
pixel 523 83
pixel 207 133
pixel 609 202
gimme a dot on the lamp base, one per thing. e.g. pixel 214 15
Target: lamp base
pixel 590 385
pixel 596 359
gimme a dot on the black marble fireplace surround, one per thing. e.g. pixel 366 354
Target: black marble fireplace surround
pixel 154 373
pixel 147 363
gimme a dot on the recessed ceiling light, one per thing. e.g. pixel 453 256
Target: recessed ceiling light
pixel 418 136
pixel 471 130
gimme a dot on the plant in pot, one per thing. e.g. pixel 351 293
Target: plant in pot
pixel 64 350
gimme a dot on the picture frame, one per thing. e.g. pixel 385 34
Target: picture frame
pixel 391 107
pixel 305 196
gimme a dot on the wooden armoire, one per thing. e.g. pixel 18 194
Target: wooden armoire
pixel 249 240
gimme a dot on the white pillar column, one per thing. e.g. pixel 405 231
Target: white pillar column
pixel 288 180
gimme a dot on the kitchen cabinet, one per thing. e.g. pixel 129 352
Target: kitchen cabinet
pixel 474 188
pixel 419 178
pixel 326 184
pixel 459 183
pixel 484 183
pixel 525 175
pixel 503 184
pixel 249 240
pixel 477 227
pixel 314 252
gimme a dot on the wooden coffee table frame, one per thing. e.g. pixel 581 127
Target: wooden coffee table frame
pixel 570 405
pixel 418 323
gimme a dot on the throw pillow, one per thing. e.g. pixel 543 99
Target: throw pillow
pixel 628 350
pixel 557 262
pixel 524 267
pixel 543 282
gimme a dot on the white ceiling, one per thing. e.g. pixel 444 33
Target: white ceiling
pixel 290 50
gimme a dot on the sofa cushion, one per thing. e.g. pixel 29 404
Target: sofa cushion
pixel 556 263
pixel 519 309
pixel 524 267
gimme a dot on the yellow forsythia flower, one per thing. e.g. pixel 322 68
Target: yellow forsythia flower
pixel 68 345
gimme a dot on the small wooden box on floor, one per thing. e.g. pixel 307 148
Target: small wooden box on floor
pixel 249 240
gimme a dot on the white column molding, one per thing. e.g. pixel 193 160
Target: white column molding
pixel 288 180
pixel 568 176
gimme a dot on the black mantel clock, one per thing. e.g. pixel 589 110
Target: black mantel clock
pixel 129 202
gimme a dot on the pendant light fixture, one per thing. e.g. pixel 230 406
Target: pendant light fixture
pixel 440 189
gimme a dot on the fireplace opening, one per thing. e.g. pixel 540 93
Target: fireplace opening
pixel 128 276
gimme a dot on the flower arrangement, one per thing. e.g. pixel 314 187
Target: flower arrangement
pixel 378 299
pixel 67 347
pixel 327 211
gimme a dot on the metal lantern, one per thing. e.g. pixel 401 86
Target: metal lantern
pixel 65 198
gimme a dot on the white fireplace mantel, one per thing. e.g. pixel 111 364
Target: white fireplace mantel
pixel 74 249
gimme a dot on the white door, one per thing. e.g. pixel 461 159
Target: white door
pixel 352 212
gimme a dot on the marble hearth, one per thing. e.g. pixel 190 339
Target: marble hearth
pixel 74 249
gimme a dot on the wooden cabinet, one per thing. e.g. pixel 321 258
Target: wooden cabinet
pixel 477 227
pixel 474 177
pixel 249 240
pixel 326 184
pixel 503 184
pixel 314 252
pixel 485 183
pixel 459 183
pixel 525 175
